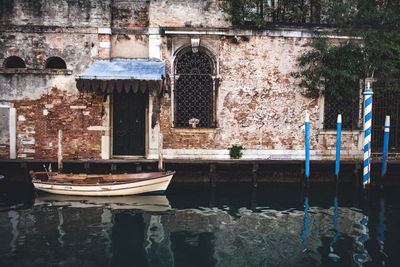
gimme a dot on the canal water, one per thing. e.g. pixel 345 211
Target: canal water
pixel 193 225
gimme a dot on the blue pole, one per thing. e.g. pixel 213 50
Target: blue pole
pixel 385 146
pixel 307 130
pixel 367 135
pixel 338 141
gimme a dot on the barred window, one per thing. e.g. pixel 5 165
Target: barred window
pixel 345 104
pixel 14 62
pixel 194 90
pixel 55 63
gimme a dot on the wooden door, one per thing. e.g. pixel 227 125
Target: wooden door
pixel 129 123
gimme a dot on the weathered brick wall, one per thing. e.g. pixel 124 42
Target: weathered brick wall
pixel 38 122
pixel 187 13
pixel 45 100
pixel 130 15
pixel 56 12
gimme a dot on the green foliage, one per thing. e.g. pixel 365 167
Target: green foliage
pixel 373 52
pixel 235 152
pixel 259 13
pixel 332 69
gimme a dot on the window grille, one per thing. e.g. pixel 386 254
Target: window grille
pixel 349 107
pixel 14 62
pixel 55 63
pixel 386 104
pixel 194 90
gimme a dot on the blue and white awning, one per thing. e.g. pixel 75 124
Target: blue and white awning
pixel 123 75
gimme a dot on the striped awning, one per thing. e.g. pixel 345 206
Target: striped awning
pixel 123 75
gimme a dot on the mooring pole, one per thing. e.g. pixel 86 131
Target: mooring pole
pixel 60 153
pixel 338 141
pixel 367 135
pixel 385 146
pixel 307 137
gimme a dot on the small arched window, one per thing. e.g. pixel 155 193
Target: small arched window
pixel 194 91
pixel 55 63
pixel 14 62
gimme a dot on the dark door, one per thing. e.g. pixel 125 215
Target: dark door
pixel 129 123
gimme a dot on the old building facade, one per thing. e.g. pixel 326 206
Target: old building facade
pixel 221 86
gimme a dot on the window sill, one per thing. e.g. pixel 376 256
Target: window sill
pixel 36 71
pixel 193 130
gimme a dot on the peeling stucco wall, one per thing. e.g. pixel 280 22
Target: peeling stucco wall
pixel 130 46
pixel 187 13
pixel 259 105
pixel 71 13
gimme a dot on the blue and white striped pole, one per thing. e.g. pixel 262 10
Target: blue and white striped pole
pixel 338 141
pixel 385 146
pixel 367 135
pixel 307 136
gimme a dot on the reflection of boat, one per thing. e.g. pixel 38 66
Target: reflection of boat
pixel 101 184
pixel 148 203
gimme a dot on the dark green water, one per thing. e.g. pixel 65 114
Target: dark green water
pixel 233 225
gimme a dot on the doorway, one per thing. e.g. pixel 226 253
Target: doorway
pixel 129 123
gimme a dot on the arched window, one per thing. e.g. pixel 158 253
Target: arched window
pixel 14 62
pixel 55 63
pixel 194 92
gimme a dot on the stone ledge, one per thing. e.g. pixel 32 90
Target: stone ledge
pixel 185 131
pixel 36 71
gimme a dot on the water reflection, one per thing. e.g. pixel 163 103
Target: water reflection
pixel 14 220
pixel 380 236
pixel 363 255
pixel 332 253
pixel 147 203
pixel 152 231
pixel 306 222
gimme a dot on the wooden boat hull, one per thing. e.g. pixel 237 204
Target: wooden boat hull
pixel 156 185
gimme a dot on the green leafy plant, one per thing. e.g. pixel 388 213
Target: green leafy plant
pixel 258 13
pixel 371 49
pixel 235 152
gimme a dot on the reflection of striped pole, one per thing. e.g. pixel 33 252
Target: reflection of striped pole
pixel 367 134
pixel 385 146
pixel 307 130
pixel 335 257
pixel 338 140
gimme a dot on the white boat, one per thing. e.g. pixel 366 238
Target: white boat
pixel 102 184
